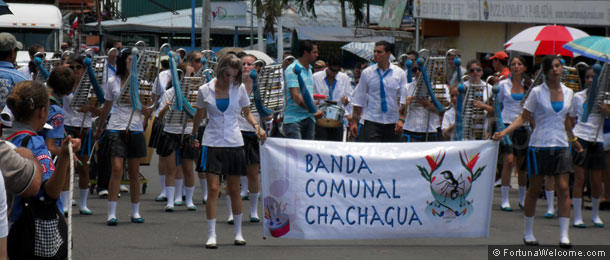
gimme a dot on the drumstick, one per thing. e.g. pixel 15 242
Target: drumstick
pixel 92 151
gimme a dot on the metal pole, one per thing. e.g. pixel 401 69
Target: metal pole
pixel 251 24
pixel 416 33
pixel 205 25
pixel 192 24
pixel 259 31
pixel 280 39
pixel 98 6
pixel 236 37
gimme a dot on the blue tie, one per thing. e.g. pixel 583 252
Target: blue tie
pixel 384 104
pixel 331 89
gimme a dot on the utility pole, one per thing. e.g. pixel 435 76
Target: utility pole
pixel 206 23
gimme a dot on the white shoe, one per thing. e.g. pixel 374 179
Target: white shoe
pixel 102 194
pixel 123 188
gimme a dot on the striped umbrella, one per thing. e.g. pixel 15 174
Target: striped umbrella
pixel 544 40
pixel 593 47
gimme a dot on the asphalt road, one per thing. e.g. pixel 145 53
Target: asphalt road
pixel 182 234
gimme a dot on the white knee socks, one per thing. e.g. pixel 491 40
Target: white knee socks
pixel 528 233
pixel 564 225
pixel 229 208
pixel 189 195
pixel 83 199
pixel 522 190
pixel 244 186
pixel 577 204
pixel 65 200
pixel 178 192
pixel 253 205
pixel 111 209
pixel 170 191
pixel 211 232
pixel 163 190
pixel 595 209
pixel 550 196
pixel 237 227
pixel 505 203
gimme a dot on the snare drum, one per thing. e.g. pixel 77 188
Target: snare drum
pixel 333 116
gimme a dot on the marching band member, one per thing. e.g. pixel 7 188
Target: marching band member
pixel 251 146
pixel 377 94
pixel 591 137
pixel 448 123
pixel 222 100
pixel 30 103
pixel 123 143
pixel 77 124
pixel 423 119
pixel 298 122
pixel 335 85
pixel 60 83
pixel 160 85
pixel 548 153
pixel 177 153
pixel 512 91
pixel 451 75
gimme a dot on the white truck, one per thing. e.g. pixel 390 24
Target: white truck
pixel 34 24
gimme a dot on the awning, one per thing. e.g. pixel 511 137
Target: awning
pixel 343 34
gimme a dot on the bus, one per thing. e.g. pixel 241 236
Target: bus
pixel 34 24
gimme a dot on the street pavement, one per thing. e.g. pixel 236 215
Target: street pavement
pixel 182 234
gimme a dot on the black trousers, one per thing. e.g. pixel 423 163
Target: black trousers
pixel 373 132
pixel 329 133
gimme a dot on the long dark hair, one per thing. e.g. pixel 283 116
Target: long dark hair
pixel 121 64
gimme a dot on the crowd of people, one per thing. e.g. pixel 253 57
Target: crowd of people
pixel 379 102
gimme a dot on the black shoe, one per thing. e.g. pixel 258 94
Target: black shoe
pixel 530 243
pixel 211 246
pixel 565 245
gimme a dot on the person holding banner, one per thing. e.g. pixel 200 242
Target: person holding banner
pixel 380 87
pixel 512 91
pixel 591 137
pixel 125 137
pixel 221 101
pixel 548 153
pixel 298 121
pixel 335 85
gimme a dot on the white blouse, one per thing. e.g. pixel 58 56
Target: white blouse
pixel 119 117
pixel 511 107
pixel 223 128
pixel 74 118
pixel 587 130
pixel 550 125
pixel 419 119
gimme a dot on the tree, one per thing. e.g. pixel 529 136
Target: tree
pixel 270 10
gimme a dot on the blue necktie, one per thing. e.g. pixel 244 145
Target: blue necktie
pixel 384 104
pixel 331 89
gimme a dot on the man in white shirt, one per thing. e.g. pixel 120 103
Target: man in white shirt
pixel 32 68
pixel 377 94
pixel 335 85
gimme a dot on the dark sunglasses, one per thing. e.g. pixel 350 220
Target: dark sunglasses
pixel 334 70
pixel 318 67
pixel 75 67
pixel 414 69
pixel 475 69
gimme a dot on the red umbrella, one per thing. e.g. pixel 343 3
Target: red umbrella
pixel 544 40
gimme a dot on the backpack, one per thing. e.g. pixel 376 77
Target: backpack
pixel 41 232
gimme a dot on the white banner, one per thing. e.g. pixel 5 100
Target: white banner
pixel 331 190
pixel 586 12
pixel 225 14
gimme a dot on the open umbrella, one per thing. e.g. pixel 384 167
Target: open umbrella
pixel 592 47
pixel 544 40
pixel 4 8
pixel 260 56
pixel 362 49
